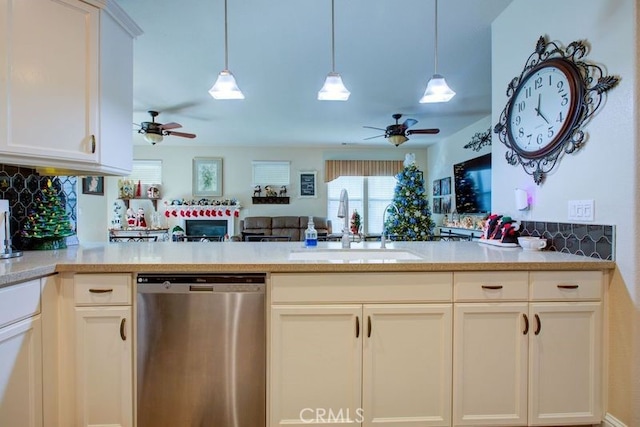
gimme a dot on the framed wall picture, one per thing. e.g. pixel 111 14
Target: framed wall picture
pixel 446 204
pixel 436 187
pixel 308 184
pixel 207 176
pixel 93 185
pixel 437 205
pixel 445 186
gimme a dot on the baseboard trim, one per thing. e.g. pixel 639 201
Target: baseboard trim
pixel 611 421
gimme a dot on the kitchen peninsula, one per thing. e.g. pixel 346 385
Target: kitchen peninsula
pixel 426 339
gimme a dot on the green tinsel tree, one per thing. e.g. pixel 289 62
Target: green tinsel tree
pixel 47 225
pixel 412 219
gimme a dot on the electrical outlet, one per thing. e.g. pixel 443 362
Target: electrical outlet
pixel 581 210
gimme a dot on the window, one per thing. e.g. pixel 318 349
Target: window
pixel 270 173
pixel 147 172
pixel 369 195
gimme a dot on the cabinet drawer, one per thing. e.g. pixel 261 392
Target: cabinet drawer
pixel 491 286
pixel 20 301
pixel 102 289
pixel 361 287
pixel 566 285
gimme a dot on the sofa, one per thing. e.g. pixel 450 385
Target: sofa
pixel 290 226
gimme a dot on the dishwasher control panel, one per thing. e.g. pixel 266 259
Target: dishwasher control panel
pixel 205 283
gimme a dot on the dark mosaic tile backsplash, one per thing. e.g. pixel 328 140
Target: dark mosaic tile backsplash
pixel 596 241
pixel 21 185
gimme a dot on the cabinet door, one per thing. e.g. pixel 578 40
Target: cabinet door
pixel 316 365
pixel 21 374
pixel 407 365
pixel 104 379
pixel 490 364
pixel 51 90
pixel 565 363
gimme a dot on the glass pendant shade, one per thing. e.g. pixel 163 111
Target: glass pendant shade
pixel 333 89
pixel 437 90
pixel 397 139
pixel 153 138
pixel 226 87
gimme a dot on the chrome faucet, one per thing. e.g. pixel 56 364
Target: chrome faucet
pixel 384 215
pixel 343 212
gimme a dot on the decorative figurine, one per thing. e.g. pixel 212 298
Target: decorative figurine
pixel 257 191
pixel 283 191
pixel 140 220
pixel 131 218
pixel 116 221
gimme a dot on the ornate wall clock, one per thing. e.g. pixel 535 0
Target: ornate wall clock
pixel 549 103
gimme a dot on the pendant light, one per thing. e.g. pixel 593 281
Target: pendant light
pixel 226 86
pixel 437 89
pixel 333 88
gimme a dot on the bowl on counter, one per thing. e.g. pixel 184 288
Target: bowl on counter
pixel 531 243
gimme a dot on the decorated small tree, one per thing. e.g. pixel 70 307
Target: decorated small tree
pixel 356 222
pixel 47 224
pixel 409 215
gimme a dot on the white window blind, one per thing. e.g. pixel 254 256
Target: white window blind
pixel 271 173
pixel 147 172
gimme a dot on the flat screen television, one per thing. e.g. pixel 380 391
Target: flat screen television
pixel 472 181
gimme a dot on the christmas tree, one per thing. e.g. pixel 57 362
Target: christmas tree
pixel 409 215
pixel 47 225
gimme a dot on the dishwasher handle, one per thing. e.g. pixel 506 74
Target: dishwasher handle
pixel 194 288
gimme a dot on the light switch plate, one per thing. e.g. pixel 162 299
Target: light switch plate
pixel 581 210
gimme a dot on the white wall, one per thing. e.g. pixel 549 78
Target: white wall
pixel 604 170
pixel 95 215
pixel 449 151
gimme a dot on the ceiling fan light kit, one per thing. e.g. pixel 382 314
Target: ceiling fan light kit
pixel 153 138
pixel 333 88
pixel 397 139
pixel 437 89
pixel 225 86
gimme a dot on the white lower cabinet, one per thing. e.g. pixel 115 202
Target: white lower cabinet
pixel 21 356
pixel 527 348
pixel 103 369
pixel 98 352
pixel 337 359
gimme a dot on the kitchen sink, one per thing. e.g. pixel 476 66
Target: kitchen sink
pixel 353 255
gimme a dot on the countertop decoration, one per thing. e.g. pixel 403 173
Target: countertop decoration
pixel 48 225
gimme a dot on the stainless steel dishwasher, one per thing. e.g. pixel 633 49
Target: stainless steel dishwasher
pixel 201 358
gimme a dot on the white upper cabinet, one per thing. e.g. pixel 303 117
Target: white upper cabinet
pixel 66 85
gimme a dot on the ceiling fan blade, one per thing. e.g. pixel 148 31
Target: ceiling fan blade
pixel 371 127
pixel 171 125
pixel 423 131
pixel 409 122
pixel 372 137
pixel 182 134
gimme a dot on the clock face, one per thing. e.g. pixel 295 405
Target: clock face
pixel 543 109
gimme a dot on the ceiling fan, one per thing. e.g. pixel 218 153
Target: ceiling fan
pixel 155 132
pixel 397 133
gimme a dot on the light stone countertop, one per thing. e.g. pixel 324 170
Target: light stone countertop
pixel 199 257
